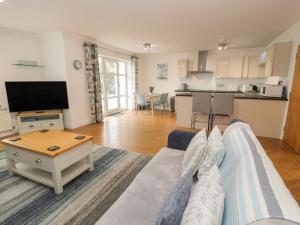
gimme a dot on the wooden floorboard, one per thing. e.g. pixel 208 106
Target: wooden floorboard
pixel 146 134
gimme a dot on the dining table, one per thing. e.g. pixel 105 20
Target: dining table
pixel 152 97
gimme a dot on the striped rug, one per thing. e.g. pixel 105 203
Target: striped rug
pixel 84 200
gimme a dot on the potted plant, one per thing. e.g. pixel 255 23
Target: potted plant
pixel 151 89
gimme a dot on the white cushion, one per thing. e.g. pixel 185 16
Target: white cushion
pixel 216 151
pixel 206 203
pixel 195 153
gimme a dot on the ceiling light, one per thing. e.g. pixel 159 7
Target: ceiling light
pixel 147 46
pixel 223 46
pixel 1 1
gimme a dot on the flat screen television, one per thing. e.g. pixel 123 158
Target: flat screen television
pixel 36 95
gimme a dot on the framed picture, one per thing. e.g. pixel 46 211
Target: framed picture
pixel 162 71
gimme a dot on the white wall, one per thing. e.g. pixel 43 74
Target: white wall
pixel 59 50
pixel 17 46
pixel 293 34
pixel 77 82
pixel 56 51
pixel 148 64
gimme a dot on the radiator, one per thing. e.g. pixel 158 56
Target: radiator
pixel 5 120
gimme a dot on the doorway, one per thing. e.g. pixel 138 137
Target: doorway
pixel 114 75
pixel 291 129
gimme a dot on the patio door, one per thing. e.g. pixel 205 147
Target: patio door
pixel 114 73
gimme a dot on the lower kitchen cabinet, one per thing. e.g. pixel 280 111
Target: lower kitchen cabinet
pixel 266 117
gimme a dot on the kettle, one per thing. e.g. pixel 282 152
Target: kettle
pixel 184 86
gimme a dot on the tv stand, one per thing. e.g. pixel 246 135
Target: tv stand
pixel 38 120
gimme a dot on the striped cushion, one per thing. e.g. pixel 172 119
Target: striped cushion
pixel 195 153
pixel 253 188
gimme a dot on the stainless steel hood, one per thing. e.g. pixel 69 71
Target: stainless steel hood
pixel 202 60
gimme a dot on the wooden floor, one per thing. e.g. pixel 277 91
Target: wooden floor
pixel 146 134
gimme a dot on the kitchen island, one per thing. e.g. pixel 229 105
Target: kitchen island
pixel 264 114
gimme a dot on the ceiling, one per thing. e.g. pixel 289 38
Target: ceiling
pixel 170 25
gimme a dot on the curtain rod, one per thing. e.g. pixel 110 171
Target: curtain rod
pixel 114 51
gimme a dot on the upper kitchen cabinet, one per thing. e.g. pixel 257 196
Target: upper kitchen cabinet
pixel 250 66
pixel 182 68
pixel 229 67
pixel 235 66
pixel 278 59
pixel 222 67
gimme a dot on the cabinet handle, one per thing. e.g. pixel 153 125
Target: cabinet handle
pixel 37 160
pixel 15 154
pixel 31 126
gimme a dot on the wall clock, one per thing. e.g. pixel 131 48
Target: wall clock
pixel 77 64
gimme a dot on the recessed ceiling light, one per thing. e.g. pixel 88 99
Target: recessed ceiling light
pixel 1 1
pixel 147 46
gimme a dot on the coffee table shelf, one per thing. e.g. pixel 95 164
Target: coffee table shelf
pixel 46 178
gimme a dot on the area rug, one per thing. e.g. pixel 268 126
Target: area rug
pixel 84 200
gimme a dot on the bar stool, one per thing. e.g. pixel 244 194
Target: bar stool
pixel 201 105
pixel 222 107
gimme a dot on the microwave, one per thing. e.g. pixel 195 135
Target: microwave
pixel 271 90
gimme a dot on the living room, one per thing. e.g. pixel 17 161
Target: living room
pixel 89 102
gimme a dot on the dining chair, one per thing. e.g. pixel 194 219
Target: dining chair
pixel 142 102
pixel 222 109
pixel 201 110
pixel 162 101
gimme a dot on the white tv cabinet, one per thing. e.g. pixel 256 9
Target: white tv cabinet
pixel 33 121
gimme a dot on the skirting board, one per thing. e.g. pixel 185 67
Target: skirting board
pixel 70 125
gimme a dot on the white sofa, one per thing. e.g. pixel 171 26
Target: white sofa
pixel 141 202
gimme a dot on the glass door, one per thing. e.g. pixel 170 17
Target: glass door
pixel 114 85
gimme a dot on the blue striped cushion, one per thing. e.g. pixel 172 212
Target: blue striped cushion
pixel 253 188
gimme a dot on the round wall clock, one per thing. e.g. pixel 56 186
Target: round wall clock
pixel 77 64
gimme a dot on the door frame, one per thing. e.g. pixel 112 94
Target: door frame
pixel 104 78
pixel 293 141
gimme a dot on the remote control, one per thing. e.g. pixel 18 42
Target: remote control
pixel 79 137
pixel 53 148
pixel 15 139
pixel 43 130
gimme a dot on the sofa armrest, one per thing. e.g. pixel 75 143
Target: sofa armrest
pixel 179 139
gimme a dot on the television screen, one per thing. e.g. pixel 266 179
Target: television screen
pixel 37 95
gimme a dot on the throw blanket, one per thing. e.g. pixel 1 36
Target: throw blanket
pixel 84 200
pixel 254 189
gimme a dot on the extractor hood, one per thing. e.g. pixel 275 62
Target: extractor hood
pixel 202 58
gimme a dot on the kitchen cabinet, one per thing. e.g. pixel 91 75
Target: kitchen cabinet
pixel 183 110
pixel 245 72
pixel 235 66
pixel 222 67
pixel 253 66
pixel 229 67
pixel 250 66
pixel 278 59
pixel 267 120
pixel 182 68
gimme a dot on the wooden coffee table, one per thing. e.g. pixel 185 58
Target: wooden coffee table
pixel 30 158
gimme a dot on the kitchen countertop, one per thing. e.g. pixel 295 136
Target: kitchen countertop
pixel 207 91
pixel 237 94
